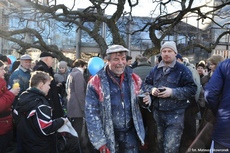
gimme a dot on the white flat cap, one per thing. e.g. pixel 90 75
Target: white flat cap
pixel 116 48
pixel 25 57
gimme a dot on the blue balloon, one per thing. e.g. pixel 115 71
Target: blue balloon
pixel 12 58
pixel 95 64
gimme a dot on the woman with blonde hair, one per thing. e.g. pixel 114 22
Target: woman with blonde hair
pixel 213 61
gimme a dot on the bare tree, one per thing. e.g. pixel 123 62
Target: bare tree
pixel 159 26
pixel 167 23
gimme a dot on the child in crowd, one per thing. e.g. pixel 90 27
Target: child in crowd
pixel 35 123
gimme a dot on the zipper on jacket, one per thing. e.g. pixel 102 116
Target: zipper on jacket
pixel 5 121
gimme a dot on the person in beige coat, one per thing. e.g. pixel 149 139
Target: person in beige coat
pixel 76 87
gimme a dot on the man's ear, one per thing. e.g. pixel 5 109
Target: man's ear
pixel 40 84
pixel 46 59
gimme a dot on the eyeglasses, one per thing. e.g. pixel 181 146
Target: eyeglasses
pixel 61 68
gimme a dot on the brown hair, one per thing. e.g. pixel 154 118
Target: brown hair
pixel 79 63
pixel 215 59
pixel 39 76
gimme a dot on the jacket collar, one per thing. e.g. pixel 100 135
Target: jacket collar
pixel 23 69
pixel 162 64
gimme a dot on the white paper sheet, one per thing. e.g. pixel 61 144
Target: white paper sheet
pixel 67 127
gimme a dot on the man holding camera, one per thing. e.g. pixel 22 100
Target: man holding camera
pixel 170 84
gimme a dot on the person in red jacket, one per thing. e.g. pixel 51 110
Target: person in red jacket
pixel 6 100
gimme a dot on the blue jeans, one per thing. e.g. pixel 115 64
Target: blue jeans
pixel 170 125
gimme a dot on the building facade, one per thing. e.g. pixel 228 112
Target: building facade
pixel 80 42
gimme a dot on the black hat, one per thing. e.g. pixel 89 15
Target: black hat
pixel 201 64
pixel 3 58
pixel 46 54
pixel 179 56
pixel 1 63
pixel 128 57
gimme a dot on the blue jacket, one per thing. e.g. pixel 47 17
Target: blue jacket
pixel 179 78
pixel 23 76
pixel 217 95
pixel 98 106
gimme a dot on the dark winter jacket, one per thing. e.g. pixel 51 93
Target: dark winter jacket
pixel 52 96
pixel 217 95
pixel 101 98
pixel 179 79
pixel 142 70
pixel 6 100
pixel 35 123
pixel 204 80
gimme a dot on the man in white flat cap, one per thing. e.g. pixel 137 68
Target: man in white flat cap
pixel 171 85
pixel 22 73
pixel 112 112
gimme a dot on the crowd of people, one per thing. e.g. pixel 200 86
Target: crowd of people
pixel 184 106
